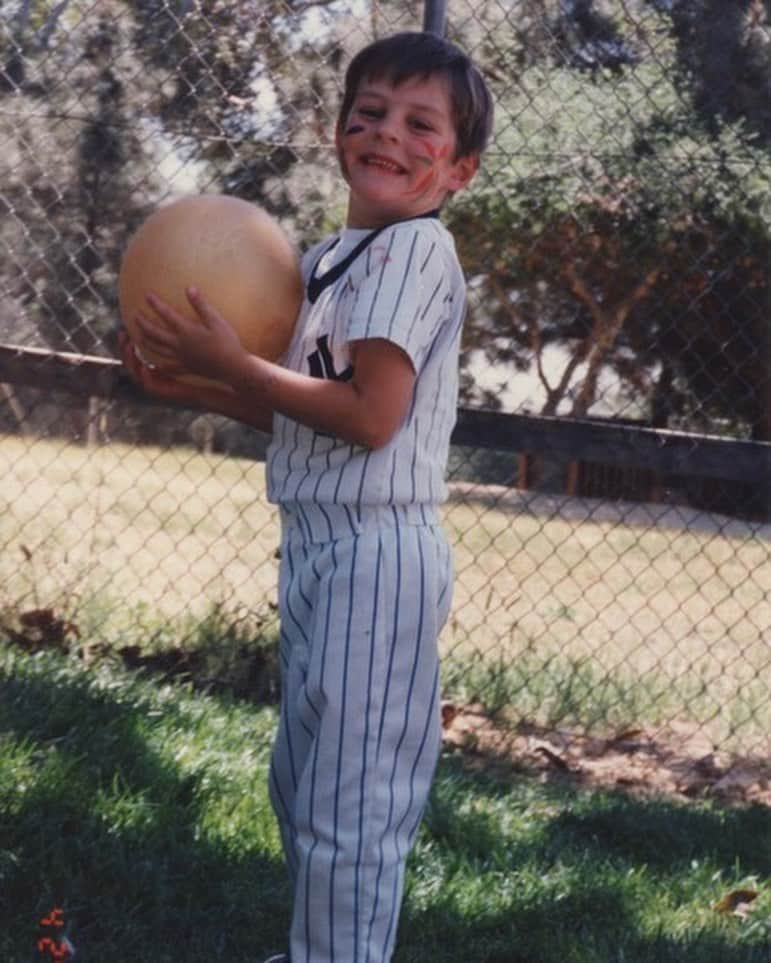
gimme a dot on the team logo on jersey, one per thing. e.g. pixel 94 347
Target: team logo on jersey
pixel 322 364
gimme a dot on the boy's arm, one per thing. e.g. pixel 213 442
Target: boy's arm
pixel 367 410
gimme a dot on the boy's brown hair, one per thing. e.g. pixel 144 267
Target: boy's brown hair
pixel 403 56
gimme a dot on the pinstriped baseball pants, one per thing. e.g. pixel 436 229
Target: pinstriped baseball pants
pixel 362 597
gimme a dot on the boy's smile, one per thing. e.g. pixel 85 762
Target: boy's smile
pixel 397 151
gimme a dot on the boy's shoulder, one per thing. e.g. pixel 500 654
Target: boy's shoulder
pixel 428 226
pixel 309 255
pixel 419 234
pixel 430 242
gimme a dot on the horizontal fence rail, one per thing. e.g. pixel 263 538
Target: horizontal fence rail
pixel 659 450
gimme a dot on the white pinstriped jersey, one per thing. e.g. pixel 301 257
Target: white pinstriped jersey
pixel 407 287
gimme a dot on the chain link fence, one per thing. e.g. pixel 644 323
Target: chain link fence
pixel 609 486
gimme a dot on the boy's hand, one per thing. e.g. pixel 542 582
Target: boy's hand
pixel 160 382
pixel 209 347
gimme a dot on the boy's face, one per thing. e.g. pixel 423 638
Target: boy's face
pixel 397 151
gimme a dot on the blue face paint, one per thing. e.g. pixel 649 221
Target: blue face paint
pixel 355 129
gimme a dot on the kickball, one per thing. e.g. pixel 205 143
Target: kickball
pixel 235 253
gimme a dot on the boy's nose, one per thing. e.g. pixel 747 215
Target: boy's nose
pixel 387 128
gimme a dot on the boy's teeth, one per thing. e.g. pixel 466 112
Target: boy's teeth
pixel 383 163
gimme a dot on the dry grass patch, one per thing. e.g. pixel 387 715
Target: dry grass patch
pixel 634 591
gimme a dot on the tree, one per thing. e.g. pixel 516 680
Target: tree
pixel 66 146
pixel 620 215
pixel 109 110
pixel 610 221
pixel 724 50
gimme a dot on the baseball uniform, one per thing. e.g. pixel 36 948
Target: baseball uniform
pixel 365 586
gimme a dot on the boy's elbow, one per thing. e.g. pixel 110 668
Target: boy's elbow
pixel 377 416
pixel 376 436
pixel 377 430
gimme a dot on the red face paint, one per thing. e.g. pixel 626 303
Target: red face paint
pixel 434 152
pixel 424 183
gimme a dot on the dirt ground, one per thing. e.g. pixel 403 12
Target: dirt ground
pixel 676 760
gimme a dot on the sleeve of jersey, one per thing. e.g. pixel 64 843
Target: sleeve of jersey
pixel 400 290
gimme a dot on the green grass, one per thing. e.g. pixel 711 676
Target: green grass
pixel 558 690
pixel 141 810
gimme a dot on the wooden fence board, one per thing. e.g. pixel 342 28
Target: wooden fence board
pixel 667 452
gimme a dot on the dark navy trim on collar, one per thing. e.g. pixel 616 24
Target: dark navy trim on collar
pixel 317 284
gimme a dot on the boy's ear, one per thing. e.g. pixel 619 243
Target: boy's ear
pixel 462 171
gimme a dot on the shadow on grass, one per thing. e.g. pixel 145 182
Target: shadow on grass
pixel 663 834
pixel 577 934
pixel 142 883
pixel 147 884
pixel 602 858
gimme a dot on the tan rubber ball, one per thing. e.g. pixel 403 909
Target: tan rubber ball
pixel 235 253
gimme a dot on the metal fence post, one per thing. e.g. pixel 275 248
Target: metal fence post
pixel 435 16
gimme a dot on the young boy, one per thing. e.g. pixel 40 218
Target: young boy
pixel 361 410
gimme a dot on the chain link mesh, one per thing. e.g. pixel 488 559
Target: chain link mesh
pixel 616 245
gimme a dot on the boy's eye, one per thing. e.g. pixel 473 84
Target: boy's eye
pixel 421 124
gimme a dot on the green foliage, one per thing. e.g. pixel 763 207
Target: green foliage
pixel 606 218
pixel 724 50
pixel 569 146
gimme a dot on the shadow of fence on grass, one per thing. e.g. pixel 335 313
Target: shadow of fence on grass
pixel 139 888
pixel 149 888
pixel 593 841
